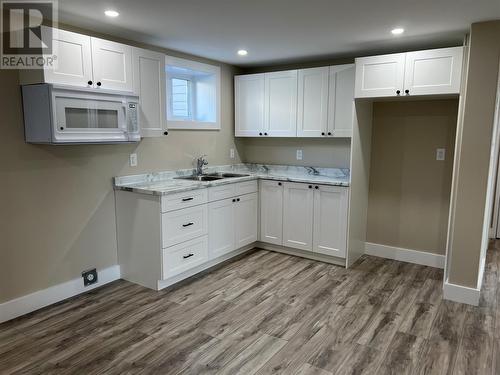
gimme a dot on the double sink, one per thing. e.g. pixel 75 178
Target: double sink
pixel 211 176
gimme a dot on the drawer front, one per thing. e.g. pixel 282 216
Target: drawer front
pixel 216 193
pixel 189 198
pixel 184 256
pixel 182 225
pixel 246 187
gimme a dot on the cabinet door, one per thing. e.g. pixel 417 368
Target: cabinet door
pixel 341 100
pixel 271 212
pixel 330 220
pixel 435 71
pixel 112 65
pixel 281 104
pixel 298 215
pixel 379 76
pixel 312 102
pixel 74 62
pixel 149 84
pixel 245 219
pixel 221 227
pixel 249 105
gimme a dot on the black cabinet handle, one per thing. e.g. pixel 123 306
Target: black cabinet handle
pixel 237 200
pixel 61 128
pixel 398 92
pixel 188 256
pixel 279 184
pixel 329 133
pixel 316 187
pixel 187 199
pixel 260 133
pixel 322 133
pixel 89 83
pixel 165 133
pixel 310 187
pixel 265 133
pixel 234 200
pixel 407 91
pixel 99 84
pixel 187 225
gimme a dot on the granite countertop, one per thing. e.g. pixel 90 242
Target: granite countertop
pixel 161 183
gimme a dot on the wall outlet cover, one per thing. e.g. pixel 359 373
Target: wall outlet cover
pixel 440 153
pixel 133 160
pixel 231 153
pixel 299 155
pixel 89 277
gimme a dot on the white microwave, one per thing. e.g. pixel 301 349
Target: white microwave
pixel 60 115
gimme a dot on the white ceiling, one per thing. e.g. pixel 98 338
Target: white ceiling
pixel 277 31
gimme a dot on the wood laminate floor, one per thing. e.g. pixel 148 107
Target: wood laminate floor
pixel 267 313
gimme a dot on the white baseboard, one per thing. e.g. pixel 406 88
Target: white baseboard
pixel 405 255
pixel 42 298
pixel 462 294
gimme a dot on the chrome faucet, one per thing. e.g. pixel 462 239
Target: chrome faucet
pixel 200 163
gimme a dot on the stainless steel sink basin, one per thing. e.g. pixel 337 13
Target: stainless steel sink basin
pixel 227 175
pixel 199 178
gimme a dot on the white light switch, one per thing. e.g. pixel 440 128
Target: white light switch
pixel 440 153
pixel 231 153
pixel 132 161
pixel 299 155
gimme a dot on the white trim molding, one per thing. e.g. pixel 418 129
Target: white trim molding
pixel 45 297
pixel 462 294
pixel 405 255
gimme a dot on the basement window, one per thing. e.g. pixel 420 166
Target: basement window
pixel 193 95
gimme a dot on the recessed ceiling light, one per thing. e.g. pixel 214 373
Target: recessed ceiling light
pixel 397 31
pixel 242 52
pixel 111 13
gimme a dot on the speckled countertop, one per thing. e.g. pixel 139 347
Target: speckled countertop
pixel 161 183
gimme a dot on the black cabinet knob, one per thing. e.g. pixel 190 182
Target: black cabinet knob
pixel 265 133
pixel 329 133
pixel 322 133
pixel 398 92
pixel 89 83
pixel 260 133
pixel 238 199
pixel 234 200
pixel 407 91
pixel 165 133
pixel 279 184
pixel 316 187
pixel 61 128
pixel 99 84
pixel 310 187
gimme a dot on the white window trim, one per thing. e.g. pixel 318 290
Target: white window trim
pixel 194 65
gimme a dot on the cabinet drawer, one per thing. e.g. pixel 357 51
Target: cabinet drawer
pixel 182 225
pixel 184 256
pixel 246 187
pixel 190 198
pixel 216 193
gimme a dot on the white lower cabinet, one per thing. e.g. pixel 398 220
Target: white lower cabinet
pixel 233 224
pixel 184 256
pixel 330 220
pixel 304 216
pixel 298 215
pixel 271 212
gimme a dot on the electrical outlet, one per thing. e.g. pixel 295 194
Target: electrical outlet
pixel 231 153
pixel 440 153
pixel 299 154
pixel 132 160
pixel 89 277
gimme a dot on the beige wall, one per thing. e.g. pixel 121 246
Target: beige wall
pixel 471 175
pixel 409 189
pixel 333 153
pixel 57 213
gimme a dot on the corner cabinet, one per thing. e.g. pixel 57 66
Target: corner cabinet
pixel 316 102
pixel 308 217
pixel 428 72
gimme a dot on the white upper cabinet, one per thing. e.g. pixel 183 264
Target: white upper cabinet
pixel 281 104
pixel 429 72
pixel 298 215
pixel 312 102
pixel 112 65
pixel 436 71
pixel 74 60
pixel 341 100
pixel 271 212
pixel 249 105
pixel 378 76
pixel 330 220
pixel 149 84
